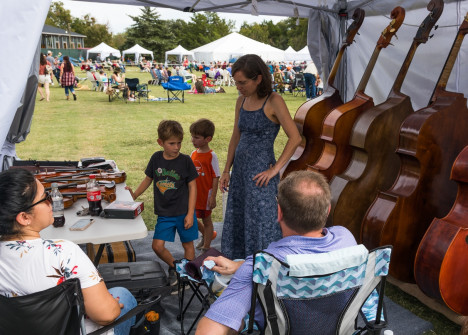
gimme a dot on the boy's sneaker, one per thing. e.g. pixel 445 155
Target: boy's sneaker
pixel 201 242
pixel 172 276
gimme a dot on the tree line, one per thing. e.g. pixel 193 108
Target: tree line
pixel 159 36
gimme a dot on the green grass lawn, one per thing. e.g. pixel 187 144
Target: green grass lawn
pixel 127 133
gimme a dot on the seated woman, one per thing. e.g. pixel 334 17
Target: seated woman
pixel 29 264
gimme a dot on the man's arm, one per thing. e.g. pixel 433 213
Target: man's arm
pixel 209 327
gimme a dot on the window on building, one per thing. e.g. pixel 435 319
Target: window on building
pixel 57 44
pixel 65 46
pixel 72 45
pixel 79 45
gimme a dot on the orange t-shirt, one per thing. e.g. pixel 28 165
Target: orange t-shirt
pixel 208 168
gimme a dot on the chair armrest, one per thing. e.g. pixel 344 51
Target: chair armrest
pixel 145 304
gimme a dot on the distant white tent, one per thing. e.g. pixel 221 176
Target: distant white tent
pixel 303 54
pixel 180 52
pixel 290 54
pixel 235 45
pixel 104 50
pixel 137 50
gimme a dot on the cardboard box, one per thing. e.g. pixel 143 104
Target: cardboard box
pixel 123 210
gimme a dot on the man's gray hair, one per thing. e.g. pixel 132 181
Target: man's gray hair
pixel 304 198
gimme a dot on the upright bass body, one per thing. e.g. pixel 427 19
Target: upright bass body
pixel 374 139
pixel 310 115
pixel 430 140
pixel 441 265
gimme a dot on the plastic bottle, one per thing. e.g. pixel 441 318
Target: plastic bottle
pixel 93 194
pixel 57 206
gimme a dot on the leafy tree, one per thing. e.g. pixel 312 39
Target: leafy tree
pixel 95 32
pixel 119 40
pixel 203 28
pixel 58 16
pixel 151 33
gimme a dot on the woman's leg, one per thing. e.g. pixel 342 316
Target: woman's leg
pixel 66 92
pixel 72 90
pixel 47 91
pixel 128 301
pixel 39 88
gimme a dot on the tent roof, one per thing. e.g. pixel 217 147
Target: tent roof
pixel 290 49
pixel 296 8
pixel 104 48
pixel 179 50
pixel 137 49
pixel 236 43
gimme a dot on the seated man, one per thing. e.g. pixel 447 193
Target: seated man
pixel 303 207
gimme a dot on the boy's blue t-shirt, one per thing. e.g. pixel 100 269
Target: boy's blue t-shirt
pixel 170 183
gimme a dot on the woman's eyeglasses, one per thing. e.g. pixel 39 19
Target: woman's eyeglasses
pixel 47 197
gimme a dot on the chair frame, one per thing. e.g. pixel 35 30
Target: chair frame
pixel 66 299
pixel 360 296
pixel 139 90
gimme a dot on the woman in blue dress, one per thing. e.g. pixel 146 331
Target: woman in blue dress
pixel 250 222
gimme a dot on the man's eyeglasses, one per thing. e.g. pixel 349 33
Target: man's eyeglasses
pixel 47 197
pixel 243 83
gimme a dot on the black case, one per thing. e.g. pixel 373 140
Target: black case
pixel 142 279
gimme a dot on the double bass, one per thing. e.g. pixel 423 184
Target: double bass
pixel 430 140
pixel 441 265
pixel 337 125
pixel 374 139
pixel 309 117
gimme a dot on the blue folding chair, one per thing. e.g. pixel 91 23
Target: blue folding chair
pixel 175 88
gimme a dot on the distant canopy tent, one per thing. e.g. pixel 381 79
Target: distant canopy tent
pixel 290 54
pixel 180 52
pixel 235 45
pixel 105 51
pixel 137 50
pixel 303 54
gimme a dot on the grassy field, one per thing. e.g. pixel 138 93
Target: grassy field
pixel 126 133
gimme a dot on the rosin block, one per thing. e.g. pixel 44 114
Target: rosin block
pixel 123 210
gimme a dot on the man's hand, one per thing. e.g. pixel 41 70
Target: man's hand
pixel 224 266
pixel 188 221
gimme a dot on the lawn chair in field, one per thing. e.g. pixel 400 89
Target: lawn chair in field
pixel 175 88
pixel 299 86
pixel 154 76
pixel 136 90
pixel 91 77
pixel 58 310
pixel 322 293
pixel 227 79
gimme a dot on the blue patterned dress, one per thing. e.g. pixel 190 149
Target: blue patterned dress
pixel 251 215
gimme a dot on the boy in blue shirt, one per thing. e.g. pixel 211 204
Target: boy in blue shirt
pixel 175 191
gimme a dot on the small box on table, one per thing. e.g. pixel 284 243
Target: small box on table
pixel 123 209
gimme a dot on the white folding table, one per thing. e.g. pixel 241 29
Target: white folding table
pixel 103 230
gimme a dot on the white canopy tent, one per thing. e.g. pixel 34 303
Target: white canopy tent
pixel 105 51
pixel 290 54
pixel 235 45
pixel 137 50
pixel 21 22
pixel 303 54
pixel 180 52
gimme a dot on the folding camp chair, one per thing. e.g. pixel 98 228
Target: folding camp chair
pixel 137 90
pixel 59 311
pixel 175 88
pixel 155 80
pixel 92 79
pixel 299 86
pixel 322 293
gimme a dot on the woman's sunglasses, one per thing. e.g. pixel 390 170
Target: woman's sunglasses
pixel 46 198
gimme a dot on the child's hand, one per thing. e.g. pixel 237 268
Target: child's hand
pixel 212 203
pixel 188 221
pixel 131 191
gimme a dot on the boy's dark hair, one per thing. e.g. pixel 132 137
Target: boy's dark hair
pixel 202 127
pixel 304 198
pixel 251 66
pixel 170 128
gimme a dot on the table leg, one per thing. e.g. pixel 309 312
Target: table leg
pixel 97 258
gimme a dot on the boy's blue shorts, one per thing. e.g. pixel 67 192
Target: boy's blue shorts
pixel 166 227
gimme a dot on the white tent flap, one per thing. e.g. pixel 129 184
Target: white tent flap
pixel 137 50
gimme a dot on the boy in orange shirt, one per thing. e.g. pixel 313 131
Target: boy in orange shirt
pixel 206 163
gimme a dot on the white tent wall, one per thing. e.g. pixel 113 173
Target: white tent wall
pixel 105 51
pixel 180 52
pixel 20 34
pixel 137 50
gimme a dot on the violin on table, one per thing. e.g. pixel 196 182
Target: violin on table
pixel 430 140
pixel 309 117
pixel 374 139
pixel 337 125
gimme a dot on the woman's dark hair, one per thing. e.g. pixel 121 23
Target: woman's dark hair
pixel 42 59
pixel 67 67
pixel 252 66
pixel 18 192
pixel 116 70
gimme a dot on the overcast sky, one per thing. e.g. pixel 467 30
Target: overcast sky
pixel 118 19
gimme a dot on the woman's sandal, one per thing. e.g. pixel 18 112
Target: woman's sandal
pixel 41 99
